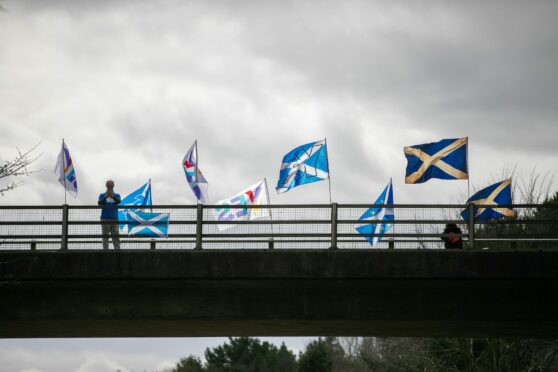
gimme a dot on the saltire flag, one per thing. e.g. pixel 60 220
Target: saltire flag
pixel 148 224
pixel 256 194
pixel 446 159
pixel 380 216
pixel 494 195
pixel 194 176
pixel 65 170
pixel 305 164
pixel 140 197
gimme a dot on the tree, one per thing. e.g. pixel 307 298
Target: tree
pixel 190 364
pixel 17 167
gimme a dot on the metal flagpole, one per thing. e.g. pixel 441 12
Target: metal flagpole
pixel 468 172
pixel 150 195
pixel 328 171
pixel 270 211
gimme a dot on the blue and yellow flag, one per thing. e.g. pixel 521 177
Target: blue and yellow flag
pixel 497 194
pixel 446 159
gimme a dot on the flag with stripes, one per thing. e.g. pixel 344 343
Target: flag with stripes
pixel 194 176
pixel 65 170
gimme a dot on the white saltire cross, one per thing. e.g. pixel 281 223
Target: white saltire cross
pixel 489 200
pixel 146 223
pixel 298 165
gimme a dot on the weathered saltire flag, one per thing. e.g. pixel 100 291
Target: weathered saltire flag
pixel 148 224
pixel 194 176
pixel 305 164
pixel 380 216
pixel 256 194
pixel 65 170
pixel 446 159
pixel 141 196
pixel 494 195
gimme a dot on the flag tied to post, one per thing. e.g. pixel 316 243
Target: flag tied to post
pixel 305 164
pixel 140 197
pixel 148 224
pixel 494 195
pixel 65 170
pixel 377 215
pixel 446 159
pixel 254 195
pixel 194 176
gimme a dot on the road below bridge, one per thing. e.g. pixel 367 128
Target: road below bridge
pixel 278 293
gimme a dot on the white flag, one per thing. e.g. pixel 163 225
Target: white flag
pixel 256 194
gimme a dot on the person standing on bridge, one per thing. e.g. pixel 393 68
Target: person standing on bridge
pixel 452 240
pixel 109 214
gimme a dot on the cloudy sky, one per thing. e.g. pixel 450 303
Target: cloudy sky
pixel 131 84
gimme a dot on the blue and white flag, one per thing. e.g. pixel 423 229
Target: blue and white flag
pixel 493 195
pixel 65 170
pixel 148 224
pixel 194 176
pixel 305 164
pixel 378 215
pixel 141 196
pixel 446 159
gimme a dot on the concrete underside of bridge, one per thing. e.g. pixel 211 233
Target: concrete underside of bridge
pixel 278 292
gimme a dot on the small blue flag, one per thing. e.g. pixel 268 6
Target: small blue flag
pixel 141 196
pixel 446 159
pixel 148 224
pixel 378 214
pixel 497 194
pixel 305 164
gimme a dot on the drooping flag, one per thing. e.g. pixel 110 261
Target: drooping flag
pixel 494 195
pixel 256 194
pixel 305 164
pixel 65 170
pixel 378 217
pixel 148 224
pixel 141 196
pixel 446 159
pixel 194 176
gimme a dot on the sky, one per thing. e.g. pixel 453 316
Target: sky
pixel 130 85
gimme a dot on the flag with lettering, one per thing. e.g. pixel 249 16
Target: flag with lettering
pixel 65 170
pixel 255 195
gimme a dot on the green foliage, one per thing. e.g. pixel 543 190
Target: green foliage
pixel 190 364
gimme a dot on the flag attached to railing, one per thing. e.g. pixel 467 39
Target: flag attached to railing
pixel 140 197
pixel 446 159
pixel 379 215
pixel 494 195
pixel 194 176
pixel 256 194
pixel 148 224
pixel 305 164
pixel 65 170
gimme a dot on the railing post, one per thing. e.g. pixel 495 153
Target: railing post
pixel 333 226
pixel 270 244
pixel 152 244
pixel 391 243
pixel 64 238
pixel 33 245
pixel 471 207
pixel 199 226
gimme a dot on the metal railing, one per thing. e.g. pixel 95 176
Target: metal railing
pixel 534 226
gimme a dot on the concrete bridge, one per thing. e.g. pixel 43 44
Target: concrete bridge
pixel 278 293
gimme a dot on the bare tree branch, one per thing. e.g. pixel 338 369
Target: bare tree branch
pixel 18 167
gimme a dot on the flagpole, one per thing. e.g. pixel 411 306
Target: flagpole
pixel 268 203
pixel 64 169
pixel 150 195
pixel 328 171
pixel 468 172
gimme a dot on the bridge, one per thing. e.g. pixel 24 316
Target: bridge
pixel 308 275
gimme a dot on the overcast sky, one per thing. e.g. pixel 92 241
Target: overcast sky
pixel 131 84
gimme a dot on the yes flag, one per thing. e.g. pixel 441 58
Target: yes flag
pixel 378 215
pixel 141 196
pixel 65 170
pixel 493 195
pixel 148 224
pixel 194 176
pixel 256 194
pixel 305 164
pixel 445 160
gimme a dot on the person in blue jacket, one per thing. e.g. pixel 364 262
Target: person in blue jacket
pixel 109 214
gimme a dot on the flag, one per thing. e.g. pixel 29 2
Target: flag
pixel 256 194
pixel 194 176
pixel 65 170
pixel 141 196
pixel 148 224
pixel 446 159
pixel 497 194
pixel 378 214
pixel 305 164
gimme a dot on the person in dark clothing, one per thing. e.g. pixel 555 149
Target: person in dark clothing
pixel 452 240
